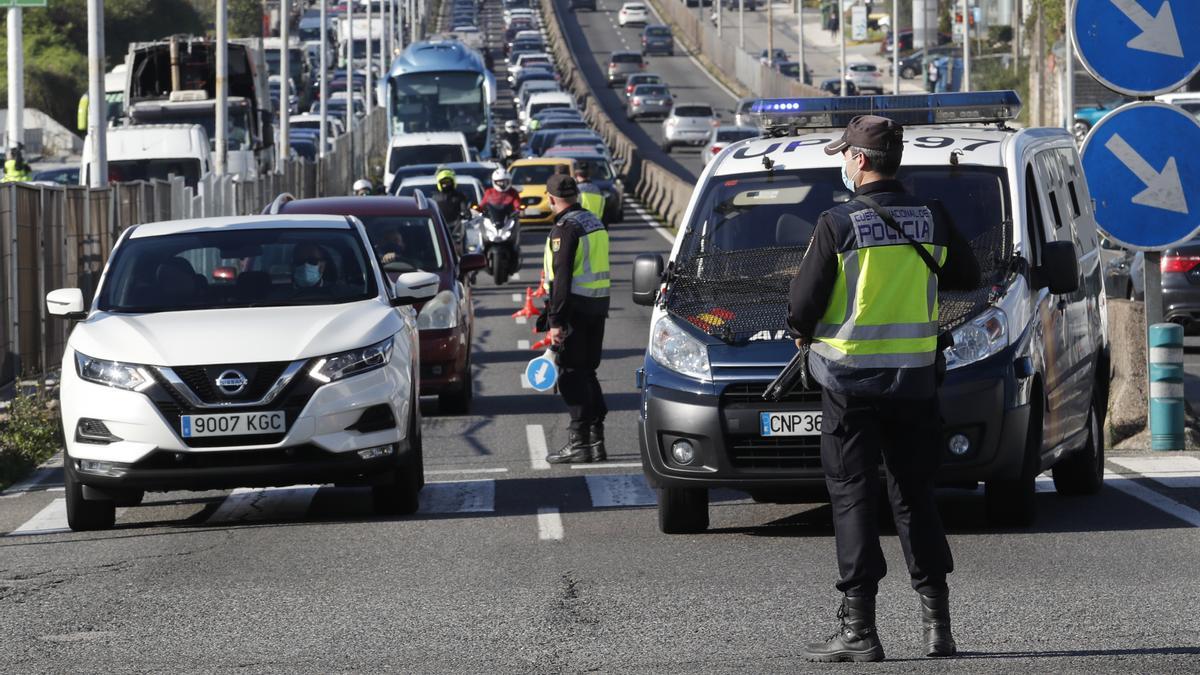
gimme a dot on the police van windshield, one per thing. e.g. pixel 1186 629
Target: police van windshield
pixel 781 209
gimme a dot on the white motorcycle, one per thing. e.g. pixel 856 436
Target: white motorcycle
pixel 496 233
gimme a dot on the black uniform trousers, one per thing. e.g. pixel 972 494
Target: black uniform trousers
pixel 856 432
pixel 578 359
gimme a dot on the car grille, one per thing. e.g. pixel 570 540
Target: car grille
pixel 793 452
pixel 172 405
pixel 202 380
pixel 165 459
pixel 751 392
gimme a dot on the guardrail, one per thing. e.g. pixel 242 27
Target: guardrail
pixel 722 53
pixel 659 190
pixel 60 237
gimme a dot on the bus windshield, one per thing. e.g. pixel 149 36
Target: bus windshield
pixel 441 101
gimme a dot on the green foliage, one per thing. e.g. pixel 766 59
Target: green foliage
pixel 989 74
pixel 245 18
pixel 31 435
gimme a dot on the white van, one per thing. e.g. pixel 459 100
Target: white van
pixel 155 151
pixel 441 147
pixel 542 101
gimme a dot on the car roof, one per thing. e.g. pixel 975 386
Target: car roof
pixel 429 180
pixel 169 227
pixel 540 161
pixel 551 97
pixel 425 138
pixel 356 206
pixel 988 146
pixel 626 52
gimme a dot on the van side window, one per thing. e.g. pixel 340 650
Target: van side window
pixel 1054 209
pixel 1033 216
pixel 1074 199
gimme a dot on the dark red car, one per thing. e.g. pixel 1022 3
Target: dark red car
pixel 408 234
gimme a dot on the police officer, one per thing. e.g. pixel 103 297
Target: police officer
pixel 865 300
pixel 576 266
pixel 590 196
pixel 16 170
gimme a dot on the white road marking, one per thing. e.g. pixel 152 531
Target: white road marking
pixel 535 437
pixel 454 472
pixel 515 276
pixel 608 465
pixel 620 490
pixel 472 496
pixel 51 519
pixel 525 381
pixel 549 523
pixel 523 345
pixel 521 321
pixel 1161 502
pixel 249 505
pixel 517 297
pixel 666 234
pixel 1172 472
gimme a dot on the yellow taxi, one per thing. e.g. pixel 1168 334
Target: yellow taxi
pixel 529 176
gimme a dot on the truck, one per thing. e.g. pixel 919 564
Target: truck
pixel 155 70
pixel 362 27
pixel 194 107
pixel 159 151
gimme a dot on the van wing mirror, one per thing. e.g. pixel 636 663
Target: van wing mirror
pixel 67 303
pixel 414 287
pixel 1059 271
pixel 647 277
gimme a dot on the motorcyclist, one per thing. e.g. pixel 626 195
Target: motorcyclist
pixel 451 203
pixel 512 137
pixel 16 169
pixel 501 195
pixel 362 187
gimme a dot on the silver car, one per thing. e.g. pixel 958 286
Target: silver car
pixel 650 99
pixel 623 64
pixel 689 124
pixel 724 136
pixel 742 116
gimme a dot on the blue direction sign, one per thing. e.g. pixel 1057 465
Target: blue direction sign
pixel 542 373
pixel 1138 160
pixel 1138 47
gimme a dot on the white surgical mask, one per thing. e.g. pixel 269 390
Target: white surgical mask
pixel 847 179
pixel 307 275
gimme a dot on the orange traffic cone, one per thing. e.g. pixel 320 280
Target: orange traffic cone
pixel 528 310
pixel 541 289
pixel 541 344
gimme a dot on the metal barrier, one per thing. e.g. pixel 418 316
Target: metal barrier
pixel 60 237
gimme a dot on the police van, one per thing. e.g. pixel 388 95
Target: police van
pixel 1026 383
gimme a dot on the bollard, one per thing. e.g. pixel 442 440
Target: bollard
pixel 1166 387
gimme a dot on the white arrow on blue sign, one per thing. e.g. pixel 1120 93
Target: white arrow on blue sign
pixel 1138 47
pixel 1138 161
pixel 541 373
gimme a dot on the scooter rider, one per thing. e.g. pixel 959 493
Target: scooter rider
pixel 501 194
pixel 512 138
pixel 450 202
pixel 362 187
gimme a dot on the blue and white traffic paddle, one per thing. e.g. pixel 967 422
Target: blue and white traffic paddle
pixel 541 372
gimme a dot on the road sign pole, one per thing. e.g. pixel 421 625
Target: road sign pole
pixel 842 45
pixel 800 38
pixel 16 79
pixel 966 36
pixel 323 89
pixel 222 121
pixel 368 95
pixel 742 24
pixel 97 121
pixel 285 111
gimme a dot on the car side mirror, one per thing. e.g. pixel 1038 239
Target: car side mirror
pixel 1059 271
pixel 413 287
pixel 472 262
pixel 67 303
pixel 647 277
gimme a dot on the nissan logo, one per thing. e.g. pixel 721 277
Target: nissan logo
pixel 231 382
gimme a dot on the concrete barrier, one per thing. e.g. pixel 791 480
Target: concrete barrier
pixel 661 191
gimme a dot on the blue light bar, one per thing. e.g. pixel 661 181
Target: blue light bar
pixel 907 109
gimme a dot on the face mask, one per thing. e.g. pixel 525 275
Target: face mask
pixel 847 179
pixel 307 275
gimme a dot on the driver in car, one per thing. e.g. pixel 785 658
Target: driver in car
pixel 390 246
pixel 310 266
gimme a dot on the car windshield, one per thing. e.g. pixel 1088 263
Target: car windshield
pixel 535 108
pixel 533 174
pixel 862 68
pixel 658 31
pixel 731 135
pixel 693 111
pixel 405 239
pixel 126 170
pixel 465 189
pixel 239 268
pixel 238 119
pixel 445 101
pixel 597 168
pixel 627 58
pixel 424 154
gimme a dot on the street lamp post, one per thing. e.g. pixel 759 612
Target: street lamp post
pixel 97 121
pixel 323 90
pixel 222 121
pixel 284 85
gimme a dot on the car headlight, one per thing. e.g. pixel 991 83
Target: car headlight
pixel 674 348
pixel 353 362
pixel 978 339
pixel 112 373
pixel 440 312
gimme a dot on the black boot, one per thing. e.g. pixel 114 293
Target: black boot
pixel 576 451
pixel 856 640
pixel 599 454
pixel 935 617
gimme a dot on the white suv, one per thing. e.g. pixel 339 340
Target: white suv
pixel 241 352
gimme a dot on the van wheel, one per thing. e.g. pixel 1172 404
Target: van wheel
pixel 85 514
pixel 400 497
pixel 1082 473
pixel 1010 502
pixel 682 510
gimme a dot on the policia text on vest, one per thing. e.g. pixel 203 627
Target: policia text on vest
pixel 575 262
pixel 866 300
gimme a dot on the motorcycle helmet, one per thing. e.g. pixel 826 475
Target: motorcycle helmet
pixel 501 180
pixel 446 175
pixel 510 127
pixel 362 187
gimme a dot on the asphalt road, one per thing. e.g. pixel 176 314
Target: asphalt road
pixel 594 36
pixel 515 566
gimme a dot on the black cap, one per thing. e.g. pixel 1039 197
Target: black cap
pixel 870 132
pixel 562 186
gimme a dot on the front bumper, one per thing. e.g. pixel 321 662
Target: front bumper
pixel 732 454
pixel 324 431
pixel 443 360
